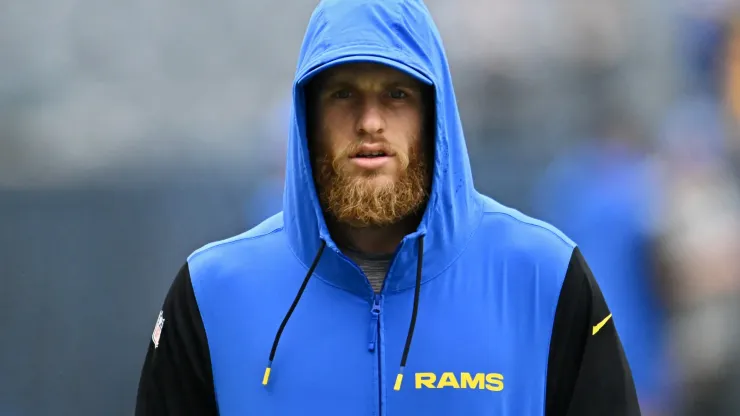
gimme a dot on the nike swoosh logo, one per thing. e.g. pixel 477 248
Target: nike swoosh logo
pixel 601 324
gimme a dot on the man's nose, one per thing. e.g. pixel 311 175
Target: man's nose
pixel 371 120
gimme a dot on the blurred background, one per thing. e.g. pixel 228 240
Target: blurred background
pixel 133 132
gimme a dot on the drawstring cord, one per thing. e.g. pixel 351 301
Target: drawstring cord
pixel 315 263
pixel 412 325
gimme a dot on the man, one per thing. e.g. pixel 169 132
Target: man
pixel 419 295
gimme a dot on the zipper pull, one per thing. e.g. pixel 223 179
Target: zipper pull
pixel 374 319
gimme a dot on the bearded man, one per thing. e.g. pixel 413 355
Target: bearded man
pixel 418 294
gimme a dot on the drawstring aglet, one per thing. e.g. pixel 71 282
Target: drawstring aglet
pixel 399 380
pixel 266 377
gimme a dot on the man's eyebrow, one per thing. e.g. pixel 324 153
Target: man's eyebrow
pixel 405 83
pixel 325 81
pixel 334 81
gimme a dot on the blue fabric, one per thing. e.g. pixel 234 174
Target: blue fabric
pixel 491 276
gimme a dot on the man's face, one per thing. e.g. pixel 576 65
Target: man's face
pixel 368 145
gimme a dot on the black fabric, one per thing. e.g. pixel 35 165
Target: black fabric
pixel 587 373
pixel 176 378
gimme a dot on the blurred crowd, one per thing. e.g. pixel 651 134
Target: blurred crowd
pixel 616 120
pixel 655 205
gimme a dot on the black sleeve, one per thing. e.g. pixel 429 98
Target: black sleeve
pixel 176 378
pixel 587 373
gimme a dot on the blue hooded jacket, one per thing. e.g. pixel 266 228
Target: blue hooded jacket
pixel 490 277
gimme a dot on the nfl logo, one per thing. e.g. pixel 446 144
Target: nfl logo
pixel 158 329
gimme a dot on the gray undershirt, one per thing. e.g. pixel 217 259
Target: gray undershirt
pixel 375 266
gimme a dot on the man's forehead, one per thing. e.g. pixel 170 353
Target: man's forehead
pixel 365 72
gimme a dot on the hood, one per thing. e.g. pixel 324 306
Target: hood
pixel 401 34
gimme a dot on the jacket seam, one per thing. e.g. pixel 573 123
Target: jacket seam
pixel 198 252
pixel 531 224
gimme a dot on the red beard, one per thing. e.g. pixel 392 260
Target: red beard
pixel 359 201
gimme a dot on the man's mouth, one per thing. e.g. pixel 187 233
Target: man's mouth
pixel 370 155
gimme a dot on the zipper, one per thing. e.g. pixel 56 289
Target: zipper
pixel 374 344
pixel 374 333
pixel 374 324
pixel 375 327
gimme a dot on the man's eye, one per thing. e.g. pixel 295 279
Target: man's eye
pixel 341 94
pixel 398 94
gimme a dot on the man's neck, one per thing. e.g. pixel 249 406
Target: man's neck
pixel 373 240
